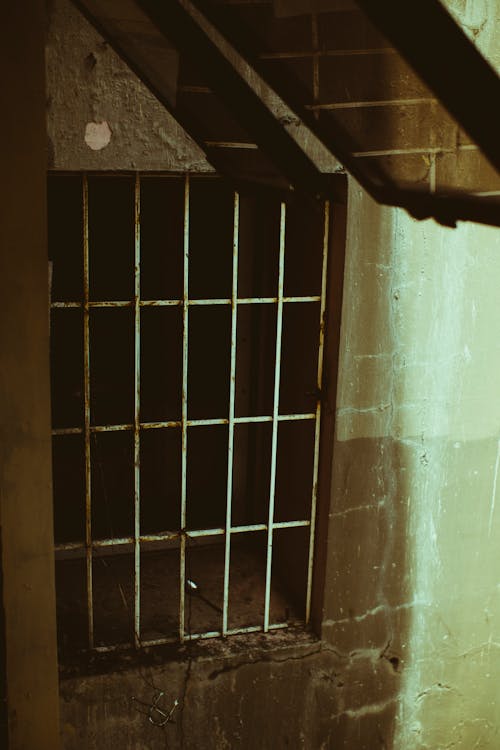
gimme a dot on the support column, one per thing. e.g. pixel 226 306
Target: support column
pixel 25 451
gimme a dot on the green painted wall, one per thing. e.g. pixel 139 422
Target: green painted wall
pixel 417 467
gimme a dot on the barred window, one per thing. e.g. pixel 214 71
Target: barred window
pixel 187 337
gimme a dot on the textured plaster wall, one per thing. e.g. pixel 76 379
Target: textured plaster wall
pixel 91 91
pixel 417 470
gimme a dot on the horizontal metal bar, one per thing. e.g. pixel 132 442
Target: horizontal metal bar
pixel 311 54
pixel 257 628
pixel 202 636
pixel 111 428
pixel 205 532
pixel 94 428
pixel 234 631
pixel 160 536
pixel 263 526
pixel 204 302
pixel 67 431
pixel 206 422
pixel 281 418
pixel 190 423
pixel 103 303
pixel 249 528
pixel 171 535
pixel 118 541
pixel 372 103
pixel 100 543
pixel 160 303
pixel 150 642
pixel 290 524
pixel 131 173
pixel 69 546
pixel 159 425
pixel 268 300
pixel 191 637
pixel 245 146
pixel 192 302
pixel 243 631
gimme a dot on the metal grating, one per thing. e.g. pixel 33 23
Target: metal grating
pixel 183 535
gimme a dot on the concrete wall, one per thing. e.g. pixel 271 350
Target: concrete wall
pixel 271 692
pixel 92 92
pixel 415 506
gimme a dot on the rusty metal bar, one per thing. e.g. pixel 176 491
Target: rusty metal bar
pixel 184 426
pixel 192 302
pixel 189 423
pixel 86 402
pixel 168 536
pixel 317 429
pixel 232 382
pixel 194 637
pixel 137 412
pixel 264 526
pixel 212 634
pixel 274 440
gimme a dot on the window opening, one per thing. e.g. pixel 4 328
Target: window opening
pixel 186 379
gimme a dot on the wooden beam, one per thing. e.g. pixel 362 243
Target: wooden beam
pixel 25 447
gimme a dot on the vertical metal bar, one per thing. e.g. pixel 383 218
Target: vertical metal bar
pixel 86 401
pixel 232 379
pixel 137 412
pixel 274 442
pixel 185 349
pixel 319 382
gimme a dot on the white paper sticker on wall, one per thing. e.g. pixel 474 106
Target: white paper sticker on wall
pixel 97 135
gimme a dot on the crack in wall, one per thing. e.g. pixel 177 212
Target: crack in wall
pixel 376 610
pixel 268 659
